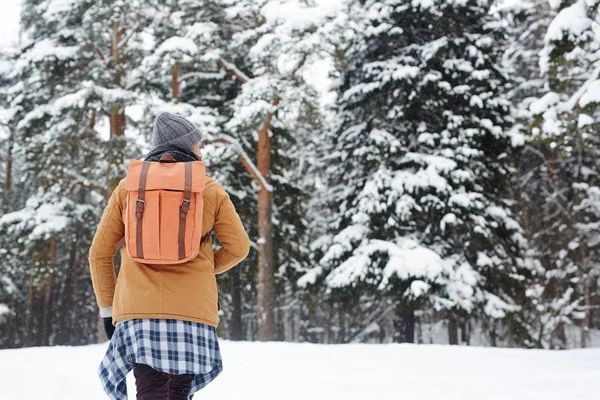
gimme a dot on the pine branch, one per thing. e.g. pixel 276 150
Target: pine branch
pixel 201 75
pixel 233 70
pixel 573 102
pixel 84 183
pixel 99 52
pixel 300 64
pixel 250 166
pixel 124 42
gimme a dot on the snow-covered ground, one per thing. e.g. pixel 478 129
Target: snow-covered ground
pixel 284 371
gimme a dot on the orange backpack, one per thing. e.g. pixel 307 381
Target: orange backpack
pixel 163 223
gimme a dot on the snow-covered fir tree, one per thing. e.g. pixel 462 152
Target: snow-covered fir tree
pixel 417 170
pixel 563 179
pixel 445 189
pixel 67 99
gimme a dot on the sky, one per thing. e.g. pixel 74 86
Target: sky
pixel 9 22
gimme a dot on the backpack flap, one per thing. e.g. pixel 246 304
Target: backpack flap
pixel 165 176
pixel 164 211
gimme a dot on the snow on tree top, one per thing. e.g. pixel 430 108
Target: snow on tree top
pixel 571 22
pixel 297 15
pixel 54 7
pixel 177 43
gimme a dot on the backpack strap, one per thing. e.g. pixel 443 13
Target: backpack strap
pixel 185 207
pixel 140 204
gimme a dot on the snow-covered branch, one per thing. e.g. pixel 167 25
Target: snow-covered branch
pixel 201 75
pixel 250 166
pixel 233 70
pixel 574 99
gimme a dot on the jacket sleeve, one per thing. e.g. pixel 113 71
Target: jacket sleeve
pixel 230 232
pixel 102 251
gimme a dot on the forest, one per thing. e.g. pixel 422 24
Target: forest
pixel 422 171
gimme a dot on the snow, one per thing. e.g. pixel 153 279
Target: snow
pixel 591 95
pixel 570 23
pixel 9 23
pixel 407 259
pixel 49 48
pixel 4 309
pixel 44 218
pixel 56 7
pixel 290 371
pixel 297 15
pixel 541 105
pixel 584 120
pixel 175 44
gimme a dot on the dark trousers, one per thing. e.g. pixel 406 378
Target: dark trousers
pixel 155 385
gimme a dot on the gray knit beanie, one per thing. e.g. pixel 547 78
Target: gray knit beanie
pixel 176 130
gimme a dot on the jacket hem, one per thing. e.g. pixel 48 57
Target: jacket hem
pixel 125 317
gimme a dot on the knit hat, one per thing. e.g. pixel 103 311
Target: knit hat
pixel 172 129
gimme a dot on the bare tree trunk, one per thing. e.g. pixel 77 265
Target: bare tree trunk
pixel 48 285
pixel 175 84
pixel 117 113
pixel 75 323
pixel 452 329
pixel 404 325
pixel 29 333
pixel 64 335
pixel 13 323
pixel 464 332
pixel 236 327
pixel 8 177
pixel 585 330
pixel 266 270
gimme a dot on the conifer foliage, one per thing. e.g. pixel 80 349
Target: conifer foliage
pixel 419 161
pixel 412 171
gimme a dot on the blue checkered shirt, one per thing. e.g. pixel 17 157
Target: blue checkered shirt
pixel 167 345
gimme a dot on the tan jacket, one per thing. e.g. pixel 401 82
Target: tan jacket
pixel 185 291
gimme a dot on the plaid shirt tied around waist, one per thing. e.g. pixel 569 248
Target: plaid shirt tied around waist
pixel 171 346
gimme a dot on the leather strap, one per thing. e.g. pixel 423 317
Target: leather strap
pixel 185 207
pixel 140 204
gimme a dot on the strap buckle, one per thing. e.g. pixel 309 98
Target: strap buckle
pixel 185 207
pixel 139 208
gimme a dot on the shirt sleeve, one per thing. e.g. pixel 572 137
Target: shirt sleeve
pixel 102 251
pixel 230 231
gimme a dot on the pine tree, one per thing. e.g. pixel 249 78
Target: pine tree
pixel 68 93
pixel 563 176
pixel 271 115
pixel 418 167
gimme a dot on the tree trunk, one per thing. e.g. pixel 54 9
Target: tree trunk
pixel 452 329
pixel 175 84
pixel 8 177
pixel 117 113
pixel 236 331
pixel 29 333
pixel 585 330
pixel 48 285
pixel 266 269
pixel 464 332
pixel 404 325
pixel 75 322
pixel 64 336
